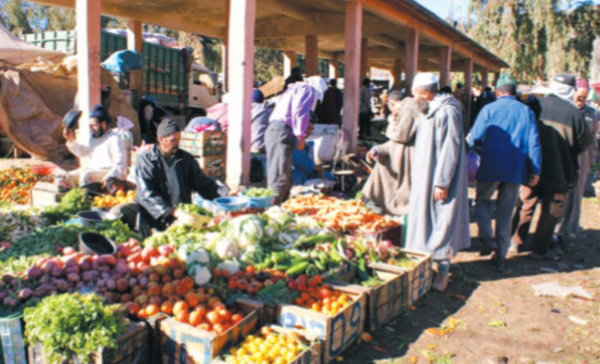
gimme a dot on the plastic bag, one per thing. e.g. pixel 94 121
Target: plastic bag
pixel 123 61
pixel 472 165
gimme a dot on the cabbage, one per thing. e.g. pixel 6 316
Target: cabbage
pixel 246 230
pixel 227 248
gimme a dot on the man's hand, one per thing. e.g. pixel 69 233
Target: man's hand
pixel 301 143
pixel 440 194
pixel 372 155
pixel 69 134
pixel 534 180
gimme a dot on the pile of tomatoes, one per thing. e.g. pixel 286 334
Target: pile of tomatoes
pixel 269 347
pixel 16 183
pixel 108 201
pixel 319 297
pixel 247 280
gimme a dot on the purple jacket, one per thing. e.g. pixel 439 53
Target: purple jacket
pixel 294 106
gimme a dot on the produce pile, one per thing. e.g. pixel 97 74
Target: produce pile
pixel 109 201
pixel 194 274
pixel 339 215
pixel 16 183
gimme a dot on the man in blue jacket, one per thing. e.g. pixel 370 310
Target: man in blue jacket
pixel 506 135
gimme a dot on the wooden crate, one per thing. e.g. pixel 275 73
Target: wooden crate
pixel 310 356
pixel 45 194
pixel 336 332
pixel 417 280
pixel 204 144
pixel 384 302
pixel 213 166
pixel 13 343
pixel 184 344
pixel 393 234
pixel 133 348
pixel 343 273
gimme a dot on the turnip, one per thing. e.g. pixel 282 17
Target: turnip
pixel 25 294
pixel 57 272
pixel 122 285
pixel 144 281
pixel 72 277
pixel 89 276
pixel 133 282
pixel 121 267
pixel 68 251
pixel 85 263
pixel 44 290
pixel 109 297
pixel 59 249
pixel 104 268
pixel 2 285
pixel 45 278
pixel 105 275
pixel 106 260
pixel 73 269
pixel 3 294
pixel 61 285
pixel 79 285
pixel 48 266
pixel 125 298
pixel 7 278
pixel 9 301
pixel 71 262
pixel 34 273
pixel 111 285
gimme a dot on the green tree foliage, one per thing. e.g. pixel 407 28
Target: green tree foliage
pixel 537 38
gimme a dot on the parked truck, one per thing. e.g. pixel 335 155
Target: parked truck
pixel 169 74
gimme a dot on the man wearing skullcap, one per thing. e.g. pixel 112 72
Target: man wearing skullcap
pixel 564 135
pixel 438 217
pixel 165 177
pixel 506 135
pixel 569 226
pixel 106 152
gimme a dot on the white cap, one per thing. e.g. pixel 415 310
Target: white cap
pixel 425 79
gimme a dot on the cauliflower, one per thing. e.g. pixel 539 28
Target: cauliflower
pixel 202 276
pixel 227 248
pixel 230 266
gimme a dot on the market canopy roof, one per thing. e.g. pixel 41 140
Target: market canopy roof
pixel 283 24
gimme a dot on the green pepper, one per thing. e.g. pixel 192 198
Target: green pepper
pixel 297 269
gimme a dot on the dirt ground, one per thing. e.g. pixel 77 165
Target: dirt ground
pixel 488 317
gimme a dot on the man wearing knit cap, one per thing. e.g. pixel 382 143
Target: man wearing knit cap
pixel 569 226
pixel 564 135
pixel 165 177
pixel 506 135
pixel 438 217
pixel 106 152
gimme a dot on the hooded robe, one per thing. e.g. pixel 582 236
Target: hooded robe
pixel 389 184
pixel 440 160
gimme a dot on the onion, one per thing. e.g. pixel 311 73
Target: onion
pixel 34 273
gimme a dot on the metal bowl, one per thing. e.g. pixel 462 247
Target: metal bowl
pixel 94 243
pixel 93 217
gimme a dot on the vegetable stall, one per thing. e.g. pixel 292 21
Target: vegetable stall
pixel 296 283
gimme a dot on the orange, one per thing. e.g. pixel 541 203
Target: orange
pixel 180 306
pixel 183 316
pixel 236 318
pixel 192 299
pixel 225 315
pixel 167 307
pixel 195 318
pixel 152 309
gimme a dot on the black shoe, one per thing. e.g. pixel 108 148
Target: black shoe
pixel 489 246
pixel 549 255
pixel 499 263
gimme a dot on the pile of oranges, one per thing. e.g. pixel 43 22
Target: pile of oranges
pixel 269 347
pixel 213 318
pixel 321 298
pixel 15 184
pixel 108 201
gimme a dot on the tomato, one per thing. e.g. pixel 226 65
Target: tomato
pixel 195 318
pixel 225 315
pixel 183 316
pixel 180 306
pixel 217 272
pixel 213 317
pixel 166 307
pixel 152 309
pixel 192 299
pixel 235 318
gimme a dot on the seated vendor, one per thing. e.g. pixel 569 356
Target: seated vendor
pixel 106 151
pixel 166 176
pixel 303 164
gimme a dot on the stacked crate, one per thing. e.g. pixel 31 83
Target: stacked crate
pixel 209 148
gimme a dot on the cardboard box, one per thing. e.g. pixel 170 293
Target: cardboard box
pixel 133 348
pixel 182 343
pixel 385 301
pixel 45 194
pixel 336 332
pixel 417 280
pixel 213 166
pixel 310 356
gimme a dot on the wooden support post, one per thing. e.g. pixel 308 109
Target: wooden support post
pixel 412 57
pixel 334 66
pixel 485 78
pixel 397 74
pixel 468 71
pixel 241 66
pixel 312 55
pixel 289 62
pixel 496 77
pixel 364 58
pixel 89 81
pixel 445 66
pixel 352 77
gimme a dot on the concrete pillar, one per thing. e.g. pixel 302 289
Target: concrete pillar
pixel 364 58
pixel 445 66
pixel 397 73
pixel 411 57
pixel 485 78
pixel 241 66
pixel 334 66
pixel 289 62
pixel 225 49
pixel 312 55
pixel 134 43
pixel 468 71
pixel 89 81
pixel 352 77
